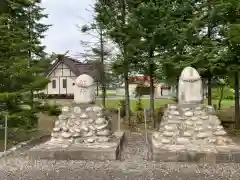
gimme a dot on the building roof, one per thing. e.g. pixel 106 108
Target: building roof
pixel 93 69
pixel 138 79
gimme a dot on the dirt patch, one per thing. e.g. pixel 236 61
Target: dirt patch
pixel 45 122
pixel 226 114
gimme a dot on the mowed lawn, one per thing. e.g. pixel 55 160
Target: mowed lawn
pixel 115 103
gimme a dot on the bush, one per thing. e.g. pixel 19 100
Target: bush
pixel 122 106
pixel 52 110
pixel 159 114
pixel 139 105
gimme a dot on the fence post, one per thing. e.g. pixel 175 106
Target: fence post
pixel 119 119
pixel 145 121
pixel 5 132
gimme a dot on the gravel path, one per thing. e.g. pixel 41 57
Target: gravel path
pixel 132 166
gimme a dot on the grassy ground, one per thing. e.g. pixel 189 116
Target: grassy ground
pixel 114 103
pixel 16 136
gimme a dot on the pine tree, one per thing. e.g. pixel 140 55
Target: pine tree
pixel 22 59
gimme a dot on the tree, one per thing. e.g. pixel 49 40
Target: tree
pixel 99 51
pixel 113 16
pixel 21 73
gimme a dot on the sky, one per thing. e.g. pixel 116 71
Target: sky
pixel 64 16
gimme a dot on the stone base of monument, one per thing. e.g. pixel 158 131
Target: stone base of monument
pixel 91 151
pixel 179 153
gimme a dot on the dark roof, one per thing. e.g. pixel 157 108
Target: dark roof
pixel 94 69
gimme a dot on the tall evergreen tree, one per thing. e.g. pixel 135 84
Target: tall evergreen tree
pixel 22 61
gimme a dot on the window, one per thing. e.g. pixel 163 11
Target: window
pixel 64 83
pixel 53 84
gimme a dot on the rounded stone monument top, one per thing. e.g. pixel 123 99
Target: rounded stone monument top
pixel 190 74
pixel 84 80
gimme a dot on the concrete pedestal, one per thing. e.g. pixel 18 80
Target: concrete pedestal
pixel 105 151
pixel 223 154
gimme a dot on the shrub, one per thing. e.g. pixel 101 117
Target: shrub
pixel 51 109
pixel 122 106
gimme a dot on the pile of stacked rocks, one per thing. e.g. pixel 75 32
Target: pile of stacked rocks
pixel 194 127
pixel 82 125
pixel 190 125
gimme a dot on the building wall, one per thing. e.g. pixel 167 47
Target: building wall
pixel 59 74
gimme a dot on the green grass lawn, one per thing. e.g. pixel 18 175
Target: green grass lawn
pixel 225 103
pixel 114 103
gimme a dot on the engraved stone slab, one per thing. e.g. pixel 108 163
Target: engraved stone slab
pixel 84 89
pixel 189 86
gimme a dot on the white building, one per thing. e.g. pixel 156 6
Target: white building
pixel 64 71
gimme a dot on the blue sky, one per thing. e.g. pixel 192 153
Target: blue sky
pixel 64 16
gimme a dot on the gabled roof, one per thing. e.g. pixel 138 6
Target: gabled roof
pixel 94 69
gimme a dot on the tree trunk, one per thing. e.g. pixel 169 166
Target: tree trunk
pixel 151 74
pixel 30 56
pixel 209 89
pixel 103 72
pixel 203 91
pixel 236 88
pixel 125 64
pixel 97 88
pixel 126 83
pixel 177 90
pixel 221 97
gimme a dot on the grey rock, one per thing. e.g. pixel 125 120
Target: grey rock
pixel 56 129
pixel 188 114
pixel 104 132
pixel 165 141
pixel 220 133
pixel 182 141
pixel 187 134
pixel 102 139
pixel 168 134
pixel 77 110
pixel 66 135
pixel 170 127
pixel 84 116
pixel 203 135
pixel 100 121
pixel 176 113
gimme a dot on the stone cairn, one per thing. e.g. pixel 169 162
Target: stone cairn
pixel 84 122
pixel 190 124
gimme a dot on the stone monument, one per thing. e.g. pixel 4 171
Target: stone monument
pixel 190 87
pixel 82 131
pixel 189 130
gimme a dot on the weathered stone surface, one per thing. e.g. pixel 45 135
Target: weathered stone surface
pixel 84 89
pixel 188 114
pixel 189 125
pixel 84 123
pixel 101 151
pixel 182 141
pixel 179 153
pixel 189 86
pixel 170 127
pixel 220 133
pixel 168 133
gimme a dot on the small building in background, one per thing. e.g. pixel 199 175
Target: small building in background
pixel 160 89
pixel 63 72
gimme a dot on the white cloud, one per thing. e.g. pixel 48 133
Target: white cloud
pixel 64 16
